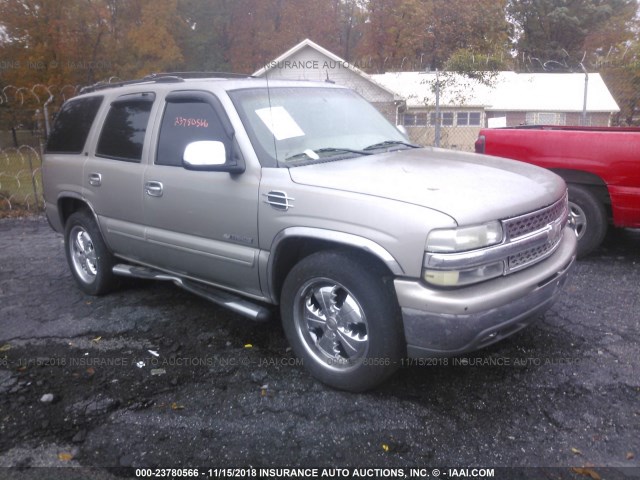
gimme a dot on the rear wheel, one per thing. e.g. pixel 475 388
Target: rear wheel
pixel 343 320
pixel 588 217
pixel 89 259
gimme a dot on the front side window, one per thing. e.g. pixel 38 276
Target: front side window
pixel 184 122
pixel 124 129
pixel 72 125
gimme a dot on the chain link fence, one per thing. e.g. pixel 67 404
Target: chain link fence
pixel 25 121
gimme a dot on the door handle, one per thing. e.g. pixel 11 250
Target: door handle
pixel 153 189
pixel 95 179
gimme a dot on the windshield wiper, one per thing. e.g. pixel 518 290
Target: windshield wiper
pixel 340 150
pixel 390 143
pixel 318 154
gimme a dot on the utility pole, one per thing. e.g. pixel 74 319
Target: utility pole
pixel 584 102
pixel 438 120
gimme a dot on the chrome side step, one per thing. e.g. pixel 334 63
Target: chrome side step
pixel 235 303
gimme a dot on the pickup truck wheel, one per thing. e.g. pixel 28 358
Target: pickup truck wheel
pixel 588 217
pixel 343 320
pixel 89 259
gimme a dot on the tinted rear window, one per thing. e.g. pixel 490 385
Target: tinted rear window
pixel 124 129
pixel 72 125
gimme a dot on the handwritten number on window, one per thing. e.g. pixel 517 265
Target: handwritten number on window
pixel 191 122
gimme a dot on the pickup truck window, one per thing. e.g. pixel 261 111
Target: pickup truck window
pixel 183 123
pixel 122 136
pixel 72 125
pixel 319 124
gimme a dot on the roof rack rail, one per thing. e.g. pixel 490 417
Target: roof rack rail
pixel 166 77
pixel 104 85
pixel 200 75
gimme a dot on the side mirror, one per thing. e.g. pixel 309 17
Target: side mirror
pixel 209 156
pixel 205 154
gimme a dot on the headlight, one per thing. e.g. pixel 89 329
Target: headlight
pixel 465 239
pixel 451 240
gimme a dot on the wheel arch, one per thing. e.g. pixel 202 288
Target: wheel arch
pixel 69 203
pixel 293 244
pixel 589 180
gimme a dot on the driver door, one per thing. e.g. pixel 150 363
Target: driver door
pixel 200 224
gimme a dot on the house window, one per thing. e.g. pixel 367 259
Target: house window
pixel 415 119
pixel 446 118
pixel 546 118
pixel 468 119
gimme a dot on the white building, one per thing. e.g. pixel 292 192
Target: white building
pixel 309 61
pixel 466 105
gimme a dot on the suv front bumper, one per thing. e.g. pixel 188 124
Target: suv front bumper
pixel 448 322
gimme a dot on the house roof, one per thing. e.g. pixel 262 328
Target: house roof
pixel 331 56
pixel 510 91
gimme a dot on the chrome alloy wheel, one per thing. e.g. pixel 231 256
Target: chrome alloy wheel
pixel 577 219
pixel 83 254
pixel 331 323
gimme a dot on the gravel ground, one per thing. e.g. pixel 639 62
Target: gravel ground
pixel 151 376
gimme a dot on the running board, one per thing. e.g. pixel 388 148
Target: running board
pixel 235 303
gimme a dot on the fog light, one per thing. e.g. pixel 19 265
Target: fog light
pixel 455 278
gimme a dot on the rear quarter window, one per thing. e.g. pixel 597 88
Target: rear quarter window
pixel 72 125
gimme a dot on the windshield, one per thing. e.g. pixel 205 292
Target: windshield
pixel 300 125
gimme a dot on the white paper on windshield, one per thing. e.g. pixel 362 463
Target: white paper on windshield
pixel 281 124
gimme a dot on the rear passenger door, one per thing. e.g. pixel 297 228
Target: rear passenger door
pixel 201 224
pixel 114 171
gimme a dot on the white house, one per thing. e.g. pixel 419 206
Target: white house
pixel 509 99
pixel 465 104
pixel 309 61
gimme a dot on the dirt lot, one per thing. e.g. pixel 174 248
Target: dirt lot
pixel 152 376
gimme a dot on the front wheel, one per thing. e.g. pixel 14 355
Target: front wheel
pixel 588 217
pixel 89 259
pixel 343 320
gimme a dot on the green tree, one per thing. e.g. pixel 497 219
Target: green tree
pixel 556 33
pixel 203 34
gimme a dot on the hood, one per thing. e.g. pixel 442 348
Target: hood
pixel 469 187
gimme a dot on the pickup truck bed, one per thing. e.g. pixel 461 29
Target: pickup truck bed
pixel 601 166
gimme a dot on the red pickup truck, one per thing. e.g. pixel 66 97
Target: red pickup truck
pixel 601 166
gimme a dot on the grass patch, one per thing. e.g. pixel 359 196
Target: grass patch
pixel 20 175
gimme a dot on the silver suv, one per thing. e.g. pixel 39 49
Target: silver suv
pixel 298 194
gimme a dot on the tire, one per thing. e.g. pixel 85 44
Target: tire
pixel 588 217
pixel 89 259
pixel 343 320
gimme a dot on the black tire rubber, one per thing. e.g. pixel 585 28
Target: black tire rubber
pixel 371 287
pixel 596 218
pixel 103 281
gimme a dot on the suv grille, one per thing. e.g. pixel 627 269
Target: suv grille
pixel 530 223
pixel 525 224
